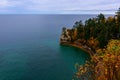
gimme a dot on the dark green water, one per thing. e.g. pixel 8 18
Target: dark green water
pixel 30 50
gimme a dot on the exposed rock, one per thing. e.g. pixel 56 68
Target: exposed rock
pixel 65 37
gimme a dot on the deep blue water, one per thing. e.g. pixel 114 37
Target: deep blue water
pixel 30 50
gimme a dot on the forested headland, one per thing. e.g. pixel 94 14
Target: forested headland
pixel 101 36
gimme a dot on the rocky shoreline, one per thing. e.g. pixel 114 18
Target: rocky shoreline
pixel 81 47
pixel 65 39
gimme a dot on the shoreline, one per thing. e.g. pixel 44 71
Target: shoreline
pixel 81 47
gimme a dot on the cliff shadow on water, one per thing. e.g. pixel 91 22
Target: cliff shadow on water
pixel 74 55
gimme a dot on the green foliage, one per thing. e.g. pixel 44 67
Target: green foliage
pixel 104 65
pixel 102 36
pixel 100 28
pixel 80 29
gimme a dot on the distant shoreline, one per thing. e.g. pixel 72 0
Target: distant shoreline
pixel 89 51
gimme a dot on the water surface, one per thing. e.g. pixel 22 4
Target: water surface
pixel 30 50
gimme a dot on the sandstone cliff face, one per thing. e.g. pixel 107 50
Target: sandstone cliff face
pixel 65 37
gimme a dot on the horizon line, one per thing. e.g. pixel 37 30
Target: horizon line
pixel 62 12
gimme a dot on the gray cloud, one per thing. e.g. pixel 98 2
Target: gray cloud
pixel 57 5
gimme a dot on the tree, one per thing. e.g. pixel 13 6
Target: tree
pixel 118 20
pixel 80 29
pixel 101 18
pixel 105 65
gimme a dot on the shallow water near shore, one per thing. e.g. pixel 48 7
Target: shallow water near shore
pixel 30 50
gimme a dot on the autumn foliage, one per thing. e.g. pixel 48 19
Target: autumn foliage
pixel 104 65
pixel 102 36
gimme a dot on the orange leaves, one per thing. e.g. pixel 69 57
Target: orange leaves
pixel 93 43
pixel 113 47
pixel 105 64
pixel 110 19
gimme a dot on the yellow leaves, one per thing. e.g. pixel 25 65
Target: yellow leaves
pixel 106 71
pixel 113 47
pixel 110 58
pixel 110 19
pixel 93 43
pixel 101 78
pixel 74 33
pixel 100 52
pixel 116 66
pixel 105 64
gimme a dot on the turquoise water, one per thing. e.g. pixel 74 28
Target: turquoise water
pixel 30 50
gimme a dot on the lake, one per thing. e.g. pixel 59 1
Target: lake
pixel 30 50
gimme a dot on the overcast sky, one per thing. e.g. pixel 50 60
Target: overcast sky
pixel 58 6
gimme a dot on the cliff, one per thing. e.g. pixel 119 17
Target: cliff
pixel 70 40
pixel 65 37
